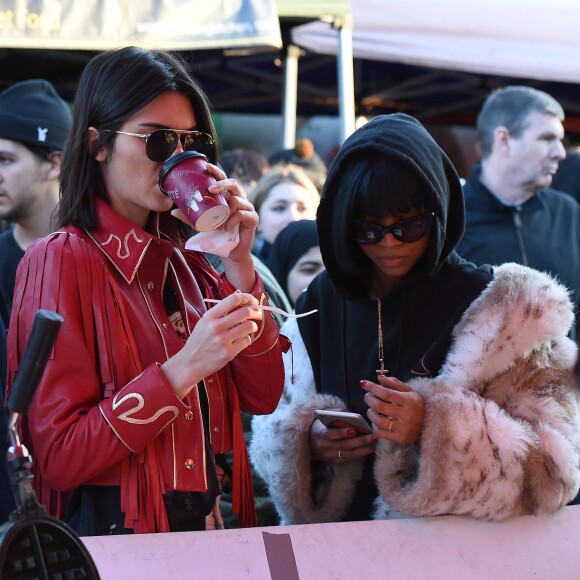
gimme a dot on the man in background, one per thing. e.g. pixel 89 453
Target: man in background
pixel 246 166
pixel 34 125
pixel 305 156
pixel 512 213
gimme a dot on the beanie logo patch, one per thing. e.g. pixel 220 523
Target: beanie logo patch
pixel 42 134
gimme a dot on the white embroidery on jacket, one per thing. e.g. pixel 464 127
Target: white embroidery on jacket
pixel 125 416
pixel 125 244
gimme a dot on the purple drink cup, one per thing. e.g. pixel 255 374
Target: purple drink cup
pixel 186 180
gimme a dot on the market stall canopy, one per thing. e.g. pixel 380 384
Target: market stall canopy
pixel 531 39
pixel 166 24
pixel 251 79
pixel 326 10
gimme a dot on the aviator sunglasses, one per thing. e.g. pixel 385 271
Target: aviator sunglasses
pixel 408 230
pixel 162 143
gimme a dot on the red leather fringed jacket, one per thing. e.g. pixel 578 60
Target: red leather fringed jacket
pixel 104 413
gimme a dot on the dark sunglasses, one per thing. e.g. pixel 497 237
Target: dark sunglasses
pixel 162 143
pixel 408 230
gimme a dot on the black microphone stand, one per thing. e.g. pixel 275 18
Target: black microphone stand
pixel 33 544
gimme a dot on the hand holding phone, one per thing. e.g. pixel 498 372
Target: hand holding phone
pixel 343 419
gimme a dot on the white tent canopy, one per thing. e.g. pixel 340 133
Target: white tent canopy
pixel 536 39
pixel 533 39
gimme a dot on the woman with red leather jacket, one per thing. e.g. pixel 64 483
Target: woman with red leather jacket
pixel 146 381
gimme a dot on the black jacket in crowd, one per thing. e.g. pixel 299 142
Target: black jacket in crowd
pixel 543 233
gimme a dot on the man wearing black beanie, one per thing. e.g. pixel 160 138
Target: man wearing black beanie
pixel 34 125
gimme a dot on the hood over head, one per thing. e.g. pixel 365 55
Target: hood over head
pixel 289 246
pixel 422 175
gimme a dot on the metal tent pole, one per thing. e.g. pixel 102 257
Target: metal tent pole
pixel 345 77
pixel 290 97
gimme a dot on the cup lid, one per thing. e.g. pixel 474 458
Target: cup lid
pixel 173 161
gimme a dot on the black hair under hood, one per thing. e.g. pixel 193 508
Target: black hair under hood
pixel 402 139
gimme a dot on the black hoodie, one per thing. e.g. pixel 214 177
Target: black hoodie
pixel 404 142
pixel 420 314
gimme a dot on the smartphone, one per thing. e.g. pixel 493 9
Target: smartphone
pixel 332 418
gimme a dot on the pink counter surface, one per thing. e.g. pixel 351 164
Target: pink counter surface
pixel 444 548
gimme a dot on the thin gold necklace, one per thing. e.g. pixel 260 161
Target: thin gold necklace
pixel 382 370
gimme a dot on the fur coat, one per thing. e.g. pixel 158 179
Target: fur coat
pixel 501 435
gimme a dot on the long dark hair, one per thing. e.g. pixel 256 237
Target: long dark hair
pixel 114 86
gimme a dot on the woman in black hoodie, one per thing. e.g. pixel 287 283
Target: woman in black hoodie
pixel 462 372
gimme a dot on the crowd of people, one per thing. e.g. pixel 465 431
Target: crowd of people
pixel 444 315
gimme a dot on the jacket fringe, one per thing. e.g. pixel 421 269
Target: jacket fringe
pixel 141 481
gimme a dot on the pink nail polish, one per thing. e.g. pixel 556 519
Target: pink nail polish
pixel 374 438
pixel 363 384
pixel 351 432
